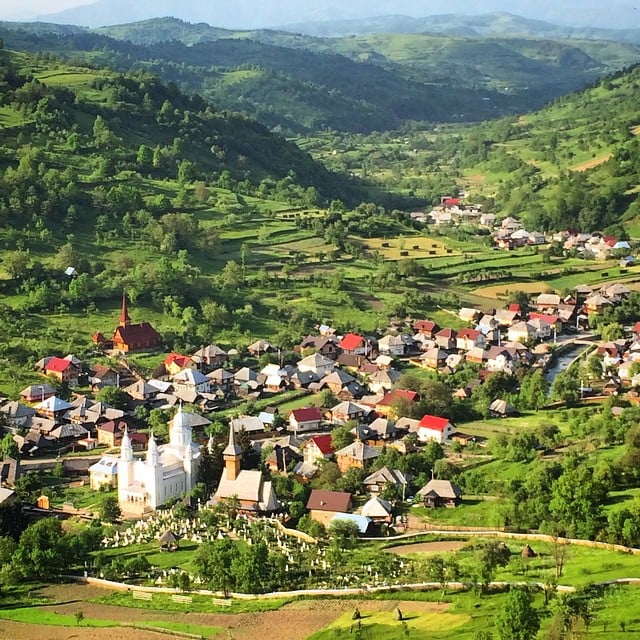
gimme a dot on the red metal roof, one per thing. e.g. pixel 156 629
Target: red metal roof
pixel 351 341
pixel 180 360
pixel 544 317
pixel 323 443
pixel 446 333
pixel 514 307
pixel 434 422
pixel 307 414
pixel 424 325
pixel 58 365
pixel 471 334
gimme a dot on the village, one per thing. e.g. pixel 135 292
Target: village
pixel 350 410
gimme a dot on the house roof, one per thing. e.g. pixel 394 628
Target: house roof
pixel 362 522
pixel 190 377
pixel 359 451
pixel 113 426
pixel 58 365
pixel 545 317
pixel 307 414
pixel 385 475
pixel 397 394
pixel 548 299
pixel 177 359
pixel 446 333
pixel 351 341
pixel 323 443
pixel 53 404
pixel 376 508
pixel 441 488
pixel 37 390
pixel 469 334
pixel 434 422
pixel 324 500
pixel 425 325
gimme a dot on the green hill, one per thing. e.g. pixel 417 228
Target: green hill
pixel 141 187
pixel 301 84
pixel 572 164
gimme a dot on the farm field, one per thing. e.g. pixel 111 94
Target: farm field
pixel 425 615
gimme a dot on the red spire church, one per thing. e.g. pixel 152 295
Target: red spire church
pixel 129 336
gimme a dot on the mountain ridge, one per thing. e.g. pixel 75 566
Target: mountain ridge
pixel 250 14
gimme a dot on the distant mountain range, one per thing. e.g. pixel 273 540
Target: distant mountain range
pixel 485 25
pixel 251 14
pixel 302 84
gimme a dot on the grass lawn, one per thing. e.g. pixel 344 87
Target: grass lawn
pixel 383 626
pixel 200 604
pixel 471 513
pixel 36 615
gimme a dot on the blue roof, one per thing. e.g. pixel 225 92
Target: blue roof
pixel 105 465
pixel 362 521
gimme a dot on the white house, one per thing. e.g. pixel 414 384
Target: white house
pixel 190 380
pixel 435 428
pixel 316 363
pixel 306 419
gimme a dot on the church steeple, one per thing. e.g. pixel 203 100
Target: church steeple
pixel 126 450
pixel 232 456
pixel 124 314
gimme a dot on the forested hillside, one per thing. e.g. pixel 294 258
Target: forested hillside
pixel 572 164
pixel 136 186
pixel 302 84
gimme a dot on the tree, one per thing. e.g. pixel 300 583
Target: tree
pixel 343 533
pixel 213 562
pixel 9 448
pixel 342 437
pixel 533 390
pixel 110 509
pixel 613 331
pixel 518 619
pixel 42 551
pixel 565 388
pixel 113 396
pixel 439 569
pixel 17 264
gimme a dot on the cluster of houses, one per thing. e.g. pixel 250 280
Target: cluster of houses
pixel 620 365
pixel 510 233
pixel 359 372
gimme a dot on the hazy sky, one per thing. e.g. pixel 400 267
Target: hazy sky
pixel 17 9
pixel 277 12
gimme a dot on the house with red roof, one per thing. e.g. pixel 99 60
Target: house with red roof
pixel 317 449
pixel 385 407
pixel 435 428
pixel 426 328
pixel 62 369
pixel 468 339
pixel 552 320
pixel 305 419
pixel 354 344
pixel 175 362
pixel 446 339
pixel 129 336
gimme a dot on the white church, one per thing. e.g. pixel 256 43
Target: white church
pixel 168 471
